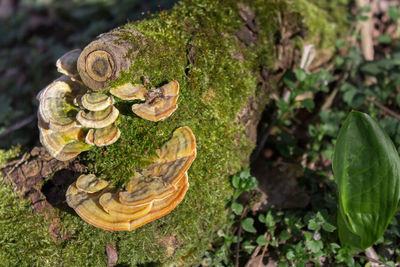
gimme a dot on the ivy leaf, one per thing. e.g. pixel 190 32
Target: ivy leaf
pixel 308 103
pixel 261 240
pixel 248 225
pixel 313 225
pixel 328 227
pixel 366 168
pixel 300 75
pixel 237 208
pixel 314 245
pixel 285 235
pixel 235 181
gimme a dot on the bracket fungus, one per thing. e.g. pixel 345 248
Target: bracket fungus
pixel 77 111
pixel 103 136
pixel 67 63
pixel 81 98
pixel 150 194
pixel 160 102
pixel 129 91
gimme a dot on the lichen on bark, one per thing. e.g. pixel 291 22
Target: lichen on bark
pixel 223 56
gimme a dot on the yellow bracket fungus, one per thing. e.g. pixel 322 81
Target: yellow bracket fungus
pixel 160 103
pixel 74 102
pixel 129 91
pixel 152 192
pixel 67 64
pixel 98 119
pixel 77 111
pixel 104 136
pixel 96 101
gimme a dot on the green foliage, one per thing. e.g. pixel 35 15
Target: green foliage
pixel 300 237
pixel 298 83
pixel 324 19
pixel 6 155
pixel 366 166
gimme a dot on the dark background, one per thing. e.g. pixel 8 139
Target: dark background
pixel 33 35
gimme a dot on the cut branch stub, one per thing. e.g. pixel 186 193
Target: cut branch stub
pixel 103 59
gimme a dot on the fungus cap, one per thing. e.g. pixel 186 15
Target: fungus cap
pixel 159 179
pixel 67 64
pixel 103 136
pixel 62 145
pixel 95 101
pixel 90 183
pixel 98 119
pixel 56 103
pixel 160 102
pixel 129 91
pixel 89 206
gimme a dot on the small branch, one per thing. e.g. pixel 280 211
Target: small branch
pixel 371 259
pixel 18 125
pixel 16 165
pixel 239 234
pixel 367 45
pixel 384 108
pixel 264 250
pixel 371 253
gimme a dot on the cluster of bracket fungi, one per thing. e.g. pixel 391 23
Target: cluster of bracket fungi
pixel 77 111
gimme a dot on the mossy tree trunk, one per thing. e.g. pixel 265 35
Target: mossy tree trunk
pixel 227 57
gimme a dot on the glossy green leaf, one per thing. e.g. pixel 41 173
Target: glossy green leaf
pixel 366 167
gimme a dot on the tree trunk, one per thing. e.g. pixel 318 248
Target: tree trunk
pixel 228 58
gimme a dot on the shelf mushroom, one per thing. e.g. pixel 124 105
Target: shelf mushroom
pixel 69 103
pixel 160 103
pixel 77 111
pixel 67 63
pixel 151 193
pixel 62 145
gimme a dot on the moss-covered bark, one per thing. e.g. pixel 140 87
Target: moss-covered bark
pixel 217 59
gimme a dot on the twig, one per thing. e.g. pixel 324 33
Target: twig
pixel 384 108
pixel 239 234
pixel 18 125
pixel 367 45
pixel 371 260
pixel 263 252
pixel 257 249
pixel 371 253
pixel 16 165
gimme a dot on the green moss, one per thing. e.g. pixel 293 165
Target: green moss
pixel 6 155
pixel 214 87
pixel 24 238
pixel 324 20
